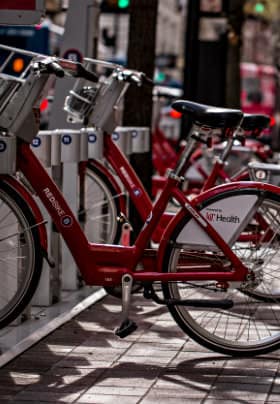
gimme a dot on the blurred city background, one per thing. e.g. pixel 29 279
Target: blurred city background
pixel 217 25
pixel 220 52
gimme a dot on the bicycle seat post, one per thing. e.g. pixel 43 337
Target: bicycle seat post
pixel 187 152
pixel 227 149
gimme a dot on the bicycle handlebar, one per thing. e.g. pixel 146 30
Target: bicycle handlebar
pixel 49 66
pixel 60 67
pixel 133 77
pixel 55 68
pixel 86 74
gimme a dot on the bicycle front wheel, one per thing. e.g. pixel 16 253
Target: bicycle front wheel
pixel 101 207
pixel 252 325
pixel 20 254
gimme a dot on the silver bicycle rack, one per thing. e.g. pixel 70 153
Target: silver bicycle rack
pixel 60 147
pixel 122 136
pixel 7 155
pixel 54 147
pixel 95 143
pixel 17 118
pixel 140 139
pixel 265 172
pixel 132 139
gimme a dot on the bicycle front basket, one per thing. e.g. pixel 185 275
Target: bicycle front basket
pixel 8 86
pixel 80 101
pixel 104 112
pixel 20 96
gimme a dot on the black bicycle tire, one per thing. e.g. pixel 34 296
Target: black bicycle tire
pixel 115 195
pixel 31 286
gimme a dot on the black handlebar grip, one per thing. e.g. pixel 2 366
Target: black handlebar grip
pixel 86 74
pixel 56 69
pixel 147 80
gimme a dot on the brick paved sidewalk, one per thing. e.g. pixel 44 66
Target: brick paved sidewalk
pixel 83 362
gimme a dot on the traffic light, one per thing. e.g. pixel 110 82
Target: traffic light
pixel 35 39
pixel 259 7
pixel 115 6
pixel 123 3
pixel 18 65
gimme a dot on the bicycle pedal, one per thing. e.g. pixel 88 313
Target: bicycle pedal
pixel 126 328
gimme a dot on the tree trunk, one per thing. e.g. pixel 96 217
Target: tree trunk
pixel 141 56
pixel 139 101
pixel 233 85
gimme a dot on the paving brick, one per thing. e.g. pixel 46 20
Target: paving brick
pixel 107 399
pixel 138 360
pixel 245 379
pixel 216 400
pixel 158 395
pixel 47 397
pixel 115 378
pixel 118 390
pixel 230 391
pixel 151 399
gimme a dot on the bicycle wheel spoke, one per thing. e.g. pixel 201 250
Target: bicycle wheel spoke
pixel 99 208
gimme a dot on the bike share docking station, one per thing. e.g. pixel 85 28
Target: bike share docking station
pixel 65 147
pixel 61 151
pixel 19 336
pixel 66 174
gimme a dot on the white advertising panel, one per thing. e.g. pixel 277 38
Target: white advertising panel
pixel 227 216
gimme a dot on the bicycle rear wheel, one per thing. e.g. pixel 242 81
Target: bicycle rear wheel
pixel 20 254
pixel 252 325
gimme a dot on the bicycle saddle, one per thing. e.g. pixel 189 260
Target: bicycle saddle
pixel 208 115
pixel 255 121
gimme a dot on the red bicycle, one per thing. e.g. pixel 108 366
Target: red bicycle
pixel 100 176
pixel 208 275
pixel 200 166
pixel 203 162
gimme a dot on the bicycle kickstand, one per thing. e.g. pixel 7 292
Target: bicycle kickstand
pixel 127 326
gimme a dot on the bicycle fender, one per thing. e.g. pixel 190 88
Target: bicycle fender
pixel 226 215
pixel 25 194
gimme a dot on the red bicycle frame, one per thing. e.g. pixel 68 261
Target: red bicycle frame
pixel 106 264
pixel 133 185
pixel 137 192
